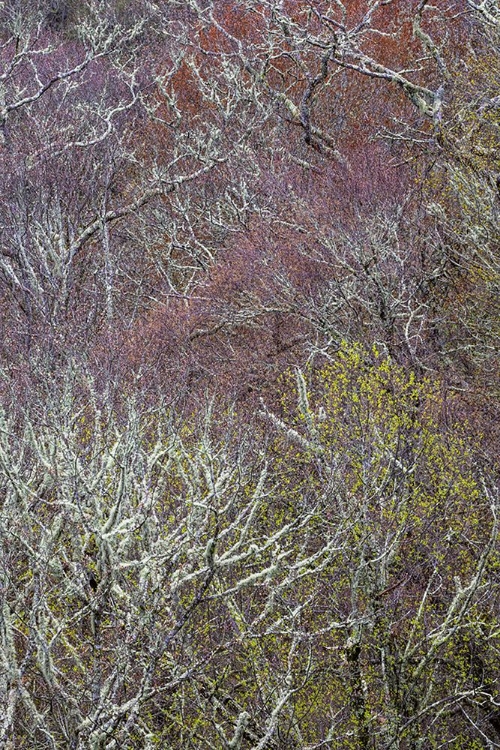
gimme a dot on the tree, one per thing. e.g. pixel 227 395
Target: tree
pixel 413 579
pixel 99 219
pixel 123 540
pixel 295 207
pixel 187 584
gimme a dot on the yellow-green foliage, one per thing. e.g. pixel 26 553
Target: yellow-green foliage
pixel 379 428
pixel 366 441
pixel 322 575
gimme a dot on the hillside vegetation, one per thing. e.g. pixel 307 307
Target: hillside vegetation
pixel 249 374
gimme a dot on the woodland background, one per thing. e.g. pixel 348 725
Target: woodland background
pixel 249 359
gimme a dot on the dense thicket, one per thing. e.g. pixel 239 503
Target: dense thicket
pixel 249 278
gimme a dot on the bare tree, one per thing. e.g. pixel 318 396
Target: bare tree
pixel 189 584
pixel 123 538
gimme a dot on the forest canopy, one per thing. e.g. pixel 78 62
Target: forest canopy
pixel 249 358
